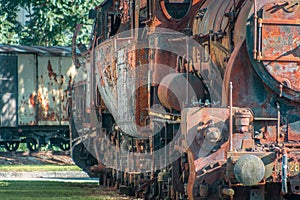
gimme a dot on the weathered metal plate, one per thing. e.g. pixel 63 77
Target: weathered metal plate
pixel 27 79
pixel 52 91
pixel 121 84
pixel 281 43
pixel 276 40
pixel 43 89
pixel 8 90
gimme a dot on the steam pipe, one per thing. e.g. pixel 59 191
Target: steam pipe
pixel 278 121
pixel 255 31
pixel 187 71
pixel 284 188
pixel 260 24
pixel 149 3
pixel 230 119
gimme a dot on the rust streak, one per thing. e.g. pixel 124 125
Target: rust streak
pixel 51 73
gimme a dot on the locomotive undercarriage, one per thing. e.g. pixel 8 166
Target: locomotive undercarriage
pixel 129 171
pixel 269 173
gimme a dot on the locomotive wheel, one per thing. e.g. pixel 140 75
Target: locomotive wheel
pixel 11 145
pixel 32 144
pixel 64 145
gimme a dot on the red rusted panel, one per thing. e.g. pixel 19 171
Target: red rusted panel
pixel 273 46
pixel 281 41
pixel 142 93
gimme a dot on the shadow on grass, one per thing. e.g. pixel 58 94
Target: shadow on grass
pixel 26 190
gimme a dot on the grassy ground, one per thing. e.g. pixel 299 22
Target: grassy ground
pixel 42 190
pixel 34 168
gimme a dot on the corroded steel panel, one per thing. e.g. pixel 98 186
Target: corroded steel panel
pixel 119 86
pixel 43 88
pixel 8 90
pixel 48 91
pixel 68 73
pixel 52 91
pixel 273 46
pixel 27 79
pixel 281 43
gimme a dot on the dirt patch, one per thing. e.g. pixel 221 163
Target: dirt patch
pixel 35 158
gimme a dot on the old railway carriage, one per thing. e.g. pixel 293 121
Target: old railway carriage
pixel 195 99
pixel 35 83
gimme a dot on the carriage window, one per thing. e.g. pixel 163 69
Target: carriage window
pixel 177 8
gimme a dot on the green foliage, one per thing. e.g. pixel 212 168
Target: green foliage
pixel 8 24
pixel 49 22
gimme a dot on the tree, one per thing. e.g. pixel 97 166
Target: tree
pixel 9 27
pixel 50 22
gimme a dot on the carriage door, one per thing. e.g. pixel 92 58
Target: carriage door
pixel 8 90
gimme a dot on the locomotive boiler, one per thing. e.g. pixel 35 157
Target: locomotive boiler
pixel 194 99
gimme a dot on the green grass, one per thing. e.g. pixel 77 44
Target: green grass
pixel 34 168
pixel 44 190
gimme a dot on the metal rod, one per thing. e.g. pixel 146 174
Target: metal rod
pixel 265 119
pixel 255 31
pixel 280 89
pixel 230 119
pixel 284 188
pixel 187 72
pixel 278 121
pixel 133 159
pixel 149 3
pixel 259 57
pixel 151 141
pixel 118 160
pixel 166 142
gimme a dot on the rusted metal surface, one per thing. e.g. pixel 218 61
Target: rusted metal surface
pixel 204 165
pixel 171 86
pixel 49 92
pixel 270 127
pixel 220 146
pixel 277 61
pixel 281 43
pixel 44 78
pixel 34 89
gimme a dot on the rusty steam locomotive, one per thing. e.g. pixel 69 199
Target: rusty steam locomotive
pixel 196 99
